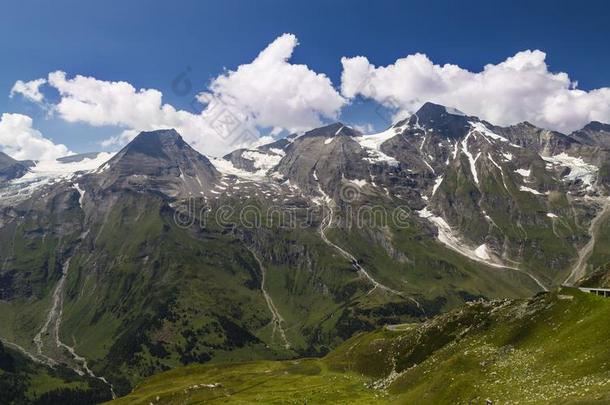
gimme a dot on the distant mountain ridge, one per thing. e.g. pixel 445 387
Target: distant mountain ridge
pixel 12 169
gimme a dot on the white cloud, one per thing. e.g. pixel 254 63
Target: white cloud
pixel 29 90
pixel 276 93
pixel 21 141
pixel 99 102
pixel 521 88
pixel 365 128
pixel 268 92
pixel 106 103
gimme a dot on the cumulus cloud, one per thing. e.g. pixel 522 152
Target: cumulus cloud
pixel 365 128
pixel 98 102
pixel 521 88
pixel 30 90
pixel 21 141
pixel 269 92
pixel 276 93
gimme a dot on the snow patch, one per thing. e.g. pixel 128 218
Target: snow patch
pixel 421 146
pixel 579 169
pixel 482 253
pixel 482 129
pixel 523 172
pixel 374 141
pixel 437 183
pixel 226 168
pixel 359 183
pixel 262 161
pixel 372 145
pixel 471 159
pixel 51 171
pixel 454 111
pixel 448 238
pixel 429 167
pixel 501 171
pixel 530 190
pixel 54 169
pixel 81 192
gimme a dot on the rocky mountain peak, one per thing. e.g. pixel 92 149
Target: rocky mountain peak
pixel 156 143
pixel 525 125
pixel 6 160
pixel 597 126
pixel 11 168
pixel 332 130
pixel 161 157
pixel 596 134
pixel 447 121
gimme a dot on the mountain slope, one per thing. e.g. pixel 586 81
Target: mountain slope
pixel 158 161
pixel 549 349
pixel 517 197
pixel 23 380
pixel 106 260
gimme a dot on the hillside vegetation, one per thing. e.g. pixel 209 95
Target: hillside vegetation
pixel 548 349
pixel 23 381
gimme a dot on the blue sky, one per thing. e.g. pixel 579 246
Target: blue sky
pixel 149 44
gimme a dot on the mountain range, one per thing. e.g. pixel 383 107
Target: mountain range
pixel 118 267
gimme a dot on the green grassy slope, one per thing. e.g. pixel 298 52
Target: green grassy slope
pixel 549 349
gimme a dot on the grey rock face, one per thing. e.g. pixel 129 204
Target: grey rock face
pixel 449 124
pixel 280 144
pixel 239 161
pixel 594 134
pixel 320 159
pixel 12 169
pixel 161 161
